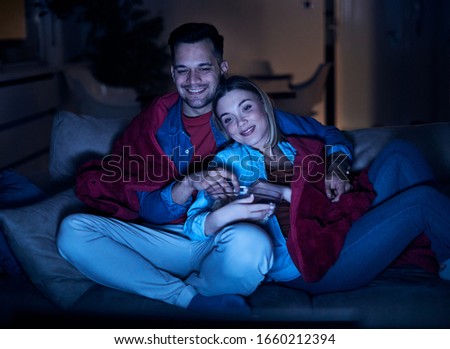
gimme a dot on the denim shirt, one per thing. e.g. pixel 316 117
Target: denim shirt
pixel 248 165
pixel 295 125
pixel 157 207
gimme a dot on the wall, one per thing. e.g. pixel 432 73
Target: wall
pixel 392 56
pixel 393 62
pixel 354 62
pixel 443 73
pixel 282 32
pixel 30 93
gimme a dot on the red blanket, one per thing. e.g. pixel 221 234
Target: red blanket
pixel 136 163
pixel 319 226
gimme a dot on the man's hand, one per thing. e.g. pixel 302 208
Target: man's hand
pixel 217 182
pixel 336 180
pixel 335 187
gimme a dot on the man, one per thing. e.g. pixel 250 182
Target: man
pixel 148 183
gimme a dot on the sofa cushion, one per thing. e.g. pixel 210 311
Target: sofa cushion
pixel 78 138
pixel 15 191
pixel 430 139
pixel 31 233
pixel 367 143
pixel 400 297
pixel 269 302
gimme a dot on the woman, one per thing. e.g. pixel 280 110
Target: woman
pixel 366 244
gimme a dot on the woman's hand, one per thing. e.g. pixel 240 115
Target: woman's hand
pixel 238 210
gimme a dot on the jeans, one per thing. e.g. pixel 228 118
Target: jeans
pixel 160 263
pixel 403 209
pixel 398 166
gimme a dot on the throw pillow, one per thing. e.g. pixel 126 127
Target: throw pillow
pixel 15 190
pixel 367 144
pixel 78 138
pixel 31 233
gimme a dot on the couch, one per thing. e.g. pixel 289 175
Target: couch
pixel 48 292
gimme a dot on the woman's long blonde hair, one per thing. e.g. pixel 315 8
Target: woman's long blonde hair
pixel 237 82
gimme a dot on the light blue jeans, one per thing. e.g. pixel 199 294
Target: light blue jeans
pixel 159 263
pixel 405 207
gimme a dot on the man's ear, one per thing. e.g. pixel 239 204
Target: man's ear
pixel 224 67
pixel 172 72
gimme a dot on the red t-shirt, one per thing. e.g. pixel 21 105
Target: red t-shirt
pixel 202 137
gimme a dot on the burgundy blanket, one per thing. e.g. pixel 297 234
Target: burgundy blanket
pixel 319 226
pixel 136 163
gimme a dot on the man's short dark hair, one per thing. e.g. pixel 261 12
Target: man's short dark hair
pixel 190 33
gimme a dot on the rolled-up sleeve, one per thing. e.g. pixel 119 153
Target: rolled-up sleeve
pixel 194 228
pixel 158 207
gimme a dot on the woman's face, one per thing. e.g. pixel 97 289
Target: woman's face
pixel 244 118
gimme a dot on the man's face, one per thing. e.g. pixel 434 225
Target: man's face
pixel 196 74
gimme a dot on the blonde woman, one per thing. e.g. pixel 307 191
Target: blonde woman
pixel 320 244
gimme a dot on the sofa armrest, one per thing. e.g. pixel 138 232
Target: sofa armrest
pixel 433 140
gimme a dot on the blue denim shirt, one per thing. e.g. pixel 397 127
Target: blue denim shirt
pixel 157 207
pixel 295 125
pixel 248 165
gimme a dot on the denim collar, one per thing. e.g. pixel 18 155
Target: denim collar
pixel 174 124
pixel 174 139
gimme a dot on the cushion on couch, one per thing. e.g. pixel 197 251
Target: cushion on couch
pixel 31 233
pixel 428 138
pixel 78 138
pixel 15 191
pixel 400 297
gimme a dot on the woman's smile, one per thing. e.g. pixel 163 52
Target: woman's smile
pixel 248 131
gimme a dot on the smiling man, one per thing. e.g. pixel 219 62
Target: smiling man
pixel 152 258
pixel 136 244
